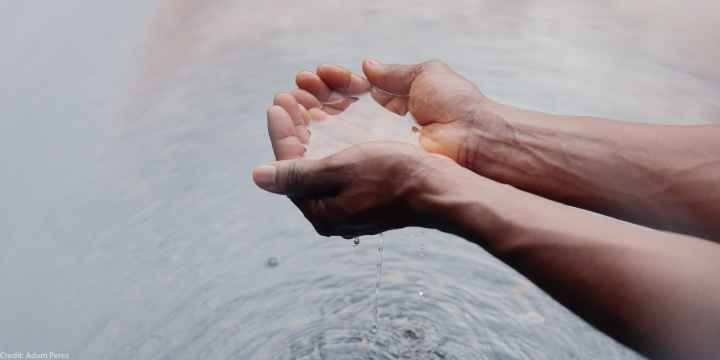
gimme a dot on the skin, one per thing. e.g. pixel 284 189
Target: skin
pixel 657 292
pixel 663 176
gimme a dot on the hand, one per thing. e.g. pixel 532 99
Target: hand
pixel 457 119
pixel 366 189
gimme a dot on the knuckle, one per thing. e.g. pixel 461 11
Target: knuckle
pixel 333 162
pixel 338 166
pixel 294 176
pixel 425 68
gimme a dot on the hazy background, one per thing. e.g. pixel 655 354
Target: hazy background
pixel 130 228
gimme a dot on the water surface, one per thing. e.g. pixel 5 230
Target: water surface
pixel 130 228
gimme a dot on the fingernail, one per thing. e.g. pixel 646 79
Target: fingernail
pixel 264 176
pixel 372 62
pixel 305 73
pixel 334 98
pixel 325 66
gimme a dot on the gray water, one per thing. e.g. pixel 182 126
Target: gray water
pixel 130 228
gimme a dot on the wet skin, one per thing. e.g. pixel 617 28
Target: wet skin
pixel 655 291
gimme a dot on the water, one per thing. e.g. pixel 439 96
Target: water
pixel 421 254
pixel 130 227
pixel 362 121
pixel 272 262
pixel 378 280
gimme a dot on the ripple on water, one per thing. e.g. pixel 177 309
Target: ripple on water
pixel 325 311
pixel 443 325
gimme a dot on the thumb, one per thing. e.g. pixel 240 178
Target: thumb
pixel 298 178
pixel 395 79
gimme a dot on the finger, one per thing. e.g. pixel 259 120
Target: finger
pixel 288 103
pixel 297 178
pixel 305 115
pixel 340 106
pixel 305 98
pixel 281 129
pixel 331 110
pixel 312 83
pixel 396 79
pixel 342 80
pixel 318 114
pixel 382 97
pixel 396 104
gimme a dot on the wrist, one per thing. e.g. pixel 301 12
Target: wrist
pixel 455 200
pixel 489 137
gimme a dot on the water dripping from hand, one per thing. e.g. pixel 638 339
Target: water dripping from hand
pixel 378 280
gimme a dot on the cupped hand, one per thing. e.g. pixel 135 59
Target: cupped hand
pixel 457 119
pixel 365 189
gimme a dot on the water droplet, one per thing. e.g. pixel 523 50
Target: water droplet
pixel 365 343
pixel 272 262
pixel 421 252
pixel 356 241
pixel 378 279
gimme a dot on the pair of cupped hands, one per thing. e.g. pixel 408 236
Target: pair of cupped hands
pixel 376 186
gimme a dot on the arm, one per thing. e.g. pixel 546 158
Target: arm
pixel 667 177
pixel 657 292
pixel 663 176
pixel 662 300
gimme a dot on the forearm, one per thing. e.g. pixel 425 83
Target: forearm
pixel 663 300
pixel 666 177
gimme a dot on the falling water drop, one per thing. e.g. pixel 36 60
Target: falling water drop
pixel 356 241
pixel 272 262
pixel 421 253
pixel 378 279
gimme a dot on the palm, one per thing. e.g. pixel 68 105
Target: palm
pixel 434 95
pixel 442 101
pixel 372 174
pixel 366 185
pixel 329 91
